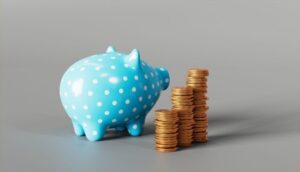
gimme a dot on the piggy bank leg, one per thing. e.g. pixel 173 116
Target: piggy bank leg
pixel 77 128
pixel 94 132
pixel 135 127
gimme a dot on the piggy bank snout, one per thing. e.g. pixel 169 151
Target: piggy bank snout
pixel 164 77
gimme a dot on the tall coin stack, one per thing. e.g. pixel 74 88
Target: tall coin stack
pixel 182 102
pixel 197 79
pixel 166 129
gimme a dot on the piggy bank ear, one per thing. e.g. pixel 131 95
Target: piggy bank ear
pixel 110 49
pixel 133 59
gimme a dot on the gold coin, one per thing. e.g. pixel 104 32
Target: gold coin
pixel 200 103
pixel 164 129
pixel 182 91
pixel 195 75
pixel 190 104
pixel 205 118
pixel 186 121
pixel 186 125
pixel 201 140
pixel 200 113
pixel 167 124
pixel 200 130
pixel 185 132
pixel 185 136
pixel 183 108
pixel 201 108
pixel 201 96
pixel 198 71
pixel 196 83
pixel 186 97
pixel 183 103
pixel 166 150
pixel 185 144
pixel 166 145
pixel 202 121
pixel 187 110
pixel 186 115
pixel 185 141
pixel 199 89
pixel 186 128
pixel 201 125
pixel 165 112
pixel 202 78
pixel 167 128
pixel 164 141
pixel 158 131
pixel 167 135
pixel 178 99
pixel 200 137
pixel 198 117
pixel 167 119
pixel 186 118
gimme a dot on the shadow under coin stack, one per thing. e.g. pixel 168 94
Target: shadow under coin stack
pixel 182 102
pixel 197 79
pixel 166 129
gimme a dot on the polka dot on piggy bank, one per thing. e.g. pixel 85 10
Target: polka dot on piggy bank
pixel 111 90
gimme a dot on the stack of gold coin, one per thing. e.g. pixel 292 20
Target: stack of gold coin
pixel 166 129
pixel 182 102
pixel 197 79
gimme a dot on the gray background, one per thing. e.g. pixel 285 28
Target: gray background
pixel 251 48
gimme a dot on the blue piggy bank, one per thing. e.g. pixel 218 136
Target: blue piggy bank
pixel 111 90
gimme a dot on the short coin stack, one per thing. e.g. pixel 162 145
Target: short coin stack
pixel 197 79
pixel 166 130
pixel 182 102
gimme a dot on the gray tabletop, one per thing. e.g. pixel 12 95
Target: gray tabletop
pixel 250 47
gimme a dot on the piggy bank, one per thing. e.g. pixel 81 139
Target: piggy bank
pixel 111 90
